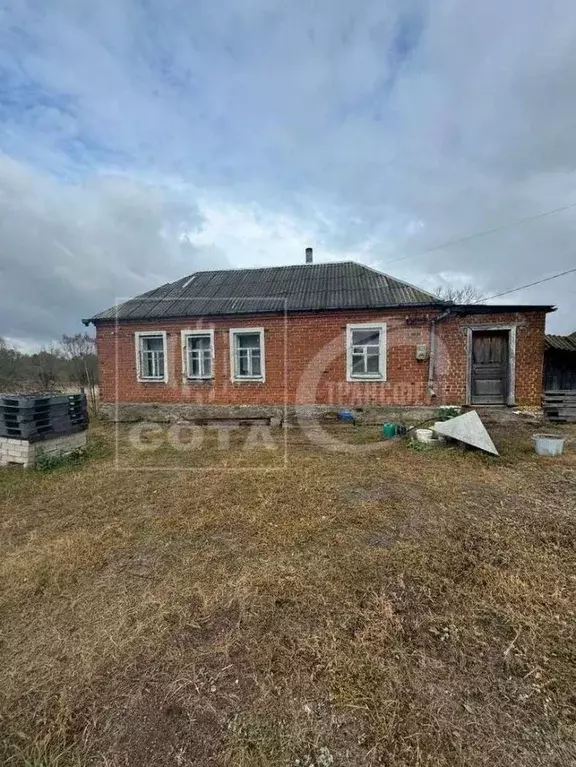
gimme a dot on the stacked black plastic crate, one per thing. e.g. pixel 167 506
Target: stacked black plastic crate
pixel 41 416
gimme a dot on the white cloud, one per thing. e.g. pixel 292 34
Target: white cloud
pixel 241 132
pixel 68 250
pixel 253 236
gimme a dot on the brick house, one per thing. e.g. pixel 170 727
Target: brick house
pixel 313 336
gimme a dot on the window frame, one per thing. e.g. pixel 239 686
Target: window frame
pixel 137 339
pixel 234 377
pixel 184 336
pixel 382 352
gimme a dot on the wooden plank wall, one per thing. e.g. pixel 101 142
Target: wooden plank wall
pixel 560 405
pixel 559 370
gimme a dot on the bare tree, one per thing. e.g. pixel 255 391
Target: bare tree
pixel 9 365
pixel 73 361
pixel 467 294
pixel 47 367
pixel 80 351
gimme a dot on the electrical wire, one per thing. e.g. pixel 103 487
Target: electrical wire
pixel 483 233
pixel 527 285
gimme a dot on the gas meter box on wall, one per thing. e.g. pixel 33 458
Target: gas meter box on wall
pixel 421 352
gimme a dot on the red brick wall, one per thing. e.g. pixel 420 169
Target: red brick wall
pixel 452 362
pixel 306 362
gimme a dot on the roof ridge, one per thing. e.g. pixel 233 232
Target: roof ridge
pixel 278 266
pixel 404 282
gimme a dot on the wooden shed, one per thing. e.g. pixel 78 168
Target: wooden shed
pixel 560 377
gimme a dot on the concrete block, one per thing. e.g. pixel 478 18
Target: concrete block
pixel 26 453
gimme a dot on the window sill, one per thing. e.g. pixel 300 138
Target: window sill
pixel 248 380
pixel 199 379
pixel 367 379
pixel 152 380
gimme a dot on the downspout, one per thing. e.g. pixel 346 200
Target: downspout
pixel 432 358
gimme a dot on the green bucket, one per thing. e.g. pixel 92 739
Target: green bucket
pixel 388 430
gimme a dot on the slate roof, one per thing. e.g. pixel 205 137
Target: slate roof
pixel 305 287
pixel 562 343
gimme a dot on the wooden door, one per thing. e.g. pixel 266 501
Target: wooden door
pixel 490 365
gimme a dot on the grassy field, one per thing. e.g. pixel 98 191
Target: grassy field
pixel 392 607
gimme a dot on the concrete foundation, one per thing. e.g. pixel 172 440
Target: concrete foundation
pixel 133 412
pixel 128 412
pixel 24 453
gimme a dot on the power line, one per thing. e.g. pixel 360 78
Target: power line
pixel 528 285
pixel 483 233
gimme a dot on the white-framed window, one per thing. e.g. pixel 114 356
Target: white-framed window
pixel 198 354
pixel 151 363
pixel 247 354
pixel 366 351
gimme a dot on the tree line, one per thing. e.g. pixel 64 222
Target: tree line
pixel 70 363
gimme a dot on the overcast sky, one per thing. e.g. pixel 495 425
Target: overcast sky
pixel 143 140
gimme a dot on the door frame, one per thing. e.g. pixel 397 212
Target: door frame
pixel 511 329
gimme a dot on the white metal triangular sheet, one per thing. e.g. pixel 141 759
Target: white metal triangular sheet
pixel 467 428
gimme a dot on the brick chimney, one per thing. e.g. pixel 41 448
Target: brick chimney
pixel 309 255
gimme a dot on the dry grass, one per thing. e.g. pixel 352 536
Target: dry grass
pixel 390 608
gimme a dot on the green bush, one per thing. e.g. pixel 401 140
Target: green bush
pixel 52 461
pixel 445 412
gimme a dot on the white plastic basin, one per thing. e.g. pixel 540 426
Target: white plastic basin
pixel 548 444
pixel 426 436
